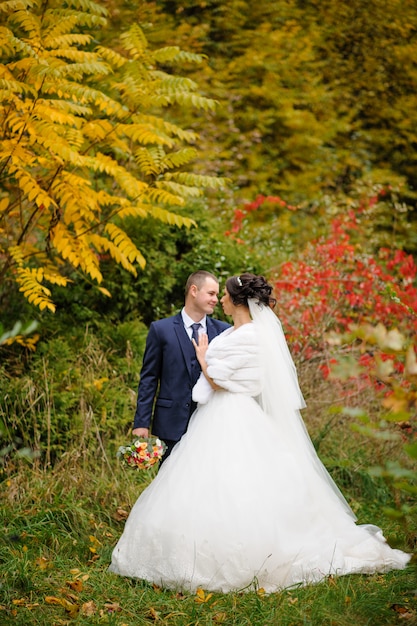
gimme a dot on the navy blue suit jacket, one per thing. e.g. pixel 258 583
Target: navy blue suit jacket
pixel 169 372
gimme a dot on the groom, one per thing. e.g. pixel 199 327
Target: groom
pixel 170 368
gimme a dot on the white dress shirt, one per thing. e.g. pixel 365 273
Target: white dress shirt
pixel 188 322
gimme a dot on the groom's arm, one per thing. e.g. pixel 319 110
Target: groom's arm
pixel 149 381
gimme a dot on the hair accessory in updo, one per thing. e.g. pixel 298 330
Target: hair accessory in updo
pixel 245 286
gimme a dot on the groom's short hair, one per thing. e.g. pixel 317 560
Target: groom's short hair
pixel 198 279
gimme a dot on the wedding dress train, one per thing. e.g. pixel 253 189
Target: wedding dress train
pixel 241 503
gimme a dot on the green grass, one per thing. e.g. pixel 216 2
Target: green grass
pixel 60 527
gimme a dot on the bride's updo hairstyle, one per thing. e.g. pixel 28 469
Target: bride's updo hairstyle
pixel 249 286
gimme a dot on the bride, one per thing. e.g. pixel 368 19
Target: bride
pixel 243 501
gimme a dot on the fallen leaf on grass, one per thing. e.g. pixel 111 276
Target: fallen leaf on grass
pixel 68 595
pixel 403 612
pixel 154 614
pixel 202 597
pixel 78 575
pixel 120 514
pixel 71 608
pixel 93 548
pixel 95 541
pixel 53 600
pixel 94 558
pixel 43 563
pixel 89 608
pixel 21 602
pixel 76 585
pixel 112 607
pixel 219 618
pixel 31 605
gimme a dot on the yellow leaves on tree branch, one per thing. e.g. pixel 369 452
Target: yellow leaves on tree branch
pixel 82 147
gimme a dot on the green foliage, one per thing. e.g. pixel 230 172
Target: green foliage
pixel 73 388
pixel 366 55
pixel 315 96
pixel 100 167
pixel 172 255
pixel 387 359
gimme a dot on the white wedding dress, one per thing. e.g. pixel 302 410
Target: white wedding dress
pixel 243 502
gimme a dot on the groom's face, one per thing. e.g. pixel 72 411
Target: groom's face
pixel 206 298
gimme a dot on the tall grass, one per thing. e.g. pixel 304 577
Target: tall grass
pixel 63 512
pixel 60 528
pixel 74 386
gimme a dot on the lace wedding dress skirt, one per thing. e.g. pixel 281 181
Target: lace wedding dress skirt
pixel 235 507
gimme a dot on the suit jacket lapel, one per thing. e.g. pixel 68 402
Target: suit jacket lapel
pixel 186 346
pixel 211 329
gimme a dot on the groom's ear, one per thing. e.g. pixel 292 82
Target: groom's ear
pixel 193 290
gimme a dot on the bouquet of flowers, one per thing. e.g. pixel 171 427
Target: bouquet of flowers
pixel 142 453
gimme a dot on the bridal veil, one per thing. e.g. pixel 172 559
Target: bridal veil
pixel 281 397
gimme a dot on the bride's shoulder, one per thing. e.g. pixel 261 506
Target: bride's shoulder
pixel 248 328
pixel 235 342
pixel 236 335
pixel 244 334
pixel 251 329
